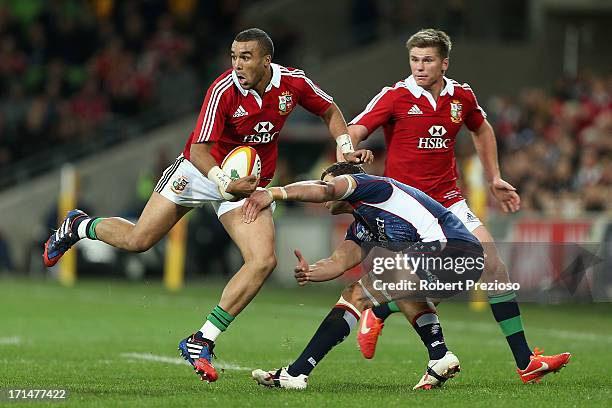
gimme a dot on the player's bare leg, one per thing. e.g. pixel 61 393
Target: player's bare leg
pixel 531 365
pixel 157 218
pixel 256 243
pixel 495 269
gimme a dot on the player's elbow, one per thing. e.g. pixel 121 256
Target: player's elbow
pixel 332 111
pixel 484 130
pixel 197 150
pixel 358 133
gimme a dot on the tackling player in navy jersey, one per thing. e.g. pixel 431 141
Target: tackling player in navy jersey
pixel 389 215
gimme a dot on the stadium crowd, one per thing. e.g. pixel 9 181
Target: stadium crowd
pixel 67 67
pixel 556 147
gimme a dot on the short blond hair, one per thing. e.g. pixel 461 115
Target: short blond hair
pixel 430 37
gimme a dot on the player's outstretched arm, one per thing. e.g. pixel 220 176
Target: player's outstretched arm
pixel 486 147
pixel 346 256
pixel 312 191
pixel 337 128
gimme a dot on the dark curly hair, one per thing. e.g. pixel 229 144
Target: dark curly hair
pixel 340 168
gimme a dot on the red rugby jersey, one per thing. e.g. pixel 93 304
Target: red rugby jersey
pixel 420 133
pixel 232 116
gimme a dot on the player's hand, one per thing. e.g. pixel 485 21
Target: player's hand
pixel 254 204
pixel 302 269
pixel 242 187
pixel 359 156
pixel 506 194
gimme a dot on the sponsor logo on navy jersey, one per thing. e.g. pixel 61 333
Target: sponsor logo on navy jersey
pixel 363 234
pixel 382 236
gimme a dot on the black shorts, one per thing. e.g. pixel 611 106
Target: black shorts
pixel 446 271
pixel 421 270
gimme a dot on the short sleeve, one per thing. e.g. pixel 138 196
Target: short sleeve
pixel 378 112
pixel 475 115
pixel 313 98
pixel 370 189
pixel 211 120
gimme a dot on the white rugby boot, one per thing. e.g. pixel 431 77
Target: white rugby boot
pixel 438 371
pixel 280 378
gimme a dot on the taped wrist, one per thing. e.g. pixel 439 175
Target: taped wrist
pixel 277 193
pixel 345 143
pixel 222 180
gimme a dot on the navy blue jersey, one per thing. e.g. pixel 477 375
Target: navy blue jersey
pixel 389 213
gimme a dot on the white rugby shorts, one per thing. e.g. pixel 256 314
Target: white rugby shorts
pixel 183 184
pixel 467 217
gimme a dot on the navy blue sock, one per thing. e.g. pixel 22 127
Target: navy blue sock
pixel 385 310
pixel 429 329
pixel 332 331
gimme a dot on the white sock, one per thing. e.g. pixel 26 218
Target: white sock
pixel 210 331
pixel 82 229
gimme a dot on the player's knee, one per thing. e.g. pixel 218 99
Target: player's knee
pixel 262 266
pixel 354 296
pixel 347 294
pixel 139 244
pixel 495 269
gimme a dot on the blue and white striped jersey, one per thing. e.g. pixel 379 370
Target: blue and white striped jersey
pixel 389 213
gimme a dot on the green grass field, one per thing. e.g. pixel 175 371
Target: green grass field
pixel 114 344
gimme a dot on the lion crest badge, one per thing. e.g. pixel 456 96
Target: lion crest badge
pixel 456 111
pixel 285 103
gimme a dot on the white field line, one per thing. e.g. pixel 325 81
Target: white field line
pixel 176 360
pixel 10 341
pixel 482 327
pixel 565 334
pixel 492 327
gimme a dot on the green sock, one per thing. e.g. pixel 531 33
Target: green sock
pixel 508 316
pixel 91 228
pixel 220 318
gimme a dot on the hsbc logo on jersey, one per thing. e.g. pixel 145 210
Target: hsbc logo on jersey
pixel 263 127
pixel 264 133
pixel 437 131
pixel 436 141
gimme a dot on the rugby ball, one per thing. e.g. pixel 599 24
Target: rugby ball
pixel 241 162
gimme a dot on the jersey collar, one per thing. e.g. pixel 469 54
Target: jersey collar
pixel 274 81
pixel 417 91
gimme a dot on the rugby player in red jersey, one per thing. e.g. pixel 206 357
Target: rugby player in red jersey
pixel 247 105
pixel 421 117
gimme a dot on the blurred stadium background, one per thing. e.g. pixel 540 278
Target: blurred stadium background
pixel 97 97
pixel 108 91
